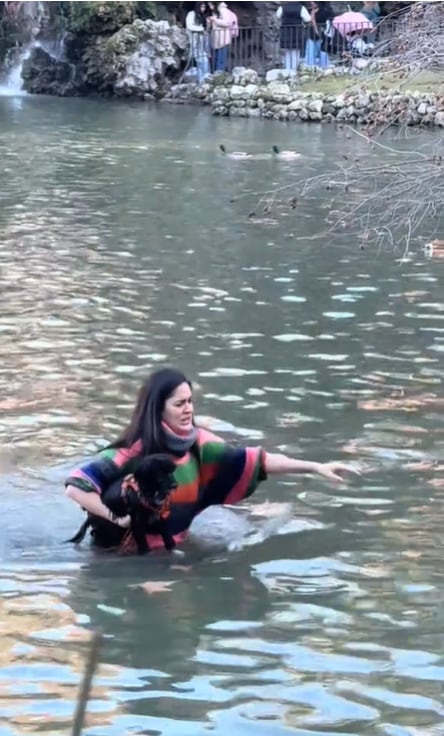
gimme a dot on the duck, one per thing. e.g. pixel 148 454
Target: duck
pixel 235 154
pixel 435 248
pixel 285 155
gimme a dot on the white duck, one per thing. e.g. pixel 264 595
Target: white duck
pixel 235 154
pixel 285 155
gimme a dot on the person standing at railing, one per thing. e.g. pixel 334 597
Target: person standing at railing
pixel 196 25
pixel 222 30
pixel 321 32
pixel 293 16
pixel 371 10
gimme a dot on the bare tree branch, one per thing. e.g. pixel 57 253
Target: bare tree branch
pixel 387 200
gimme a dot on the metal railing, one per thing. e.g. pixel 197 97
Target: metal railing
pixel 288 47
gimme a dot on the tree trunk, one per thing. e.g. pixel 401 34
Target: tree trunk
pixel 267 20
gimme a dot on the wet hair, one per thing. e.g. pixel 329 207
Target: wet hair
pixel 146 421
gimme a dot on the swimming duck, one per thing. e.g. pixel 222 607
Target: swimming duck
pixel 285 155
pixel 235 154
pixel 435 248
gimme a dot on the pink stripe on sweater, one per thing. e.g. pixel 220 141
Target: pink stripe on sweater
pixel 204 435
pixel 125 454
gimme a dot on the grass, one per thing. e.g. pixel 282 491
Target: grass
pixel 431 82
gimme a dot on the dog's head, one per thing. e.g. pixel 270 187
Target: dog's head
pixel 154 476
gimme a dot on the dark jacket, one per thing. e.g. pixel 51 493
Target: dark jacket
pixel 323 16
pixel 291 26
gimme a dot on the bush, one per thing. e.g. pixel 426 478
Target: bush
pixel 93 18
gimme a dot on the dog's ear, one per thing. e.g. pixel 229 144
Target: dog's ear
pixel 162 463
pixel 153 465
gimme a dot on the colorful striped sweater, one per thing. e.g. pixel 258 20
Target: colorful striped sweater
pixel 216 473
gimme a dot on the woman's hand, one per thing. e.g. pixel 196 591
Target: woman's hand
pixel 334 471
pixel 123 521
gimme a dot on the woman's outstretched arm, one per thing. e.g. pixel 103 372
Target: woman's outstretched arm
pixel 275 463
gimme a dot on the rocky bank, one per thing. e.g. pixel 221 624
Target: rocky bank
pixel 108 51
pixel 281 96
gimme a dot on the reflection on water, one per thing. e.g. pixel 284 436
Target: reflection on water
pixel 126 243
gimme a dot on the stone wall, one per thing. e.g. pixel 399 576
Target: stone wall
pixel 282 96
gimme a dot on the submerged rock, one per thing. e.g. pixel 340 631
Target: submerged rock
pixel 229 528
pixel 219 528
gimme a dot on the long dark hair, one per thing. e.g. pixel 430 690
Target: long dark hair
pixel 201 18
pixel 146 421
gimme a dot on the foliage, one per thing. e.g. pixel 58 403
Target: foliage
pixel 91 18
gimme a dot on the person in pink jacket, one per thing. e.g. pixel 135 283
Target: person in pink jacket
pixel 224 27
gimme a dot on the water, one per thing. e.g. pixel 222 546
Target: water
pixel 122 250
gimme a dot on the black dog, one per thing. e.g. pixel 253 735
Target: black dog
pixel 145 497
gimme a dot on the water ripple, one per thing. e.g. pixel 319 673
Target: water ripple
pixel 121 251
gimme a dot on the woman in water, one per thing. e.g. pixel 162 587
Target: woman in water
pixel 207 472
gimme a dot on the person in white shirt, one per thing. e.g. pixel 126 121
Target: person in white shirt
pixel 294 18
pixel 196 25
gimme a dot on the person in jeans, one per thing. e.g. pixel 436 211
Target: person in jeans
pixel 222 26
pixel 294 19
pixel 320 31
pixel 196 25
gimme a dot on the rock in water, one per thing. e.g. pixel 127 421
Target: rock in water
pixel 43 74
pixel 219 528
pixel 223 528
pixel 143 58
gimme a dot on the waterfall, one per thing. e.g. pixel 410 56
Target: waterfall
pixel 13 82
pixel 32 18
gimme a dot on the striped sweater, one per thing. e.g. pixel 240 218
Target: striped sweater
pixel 214 472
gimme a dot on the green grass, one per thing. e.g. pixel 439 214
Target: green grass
pixel 424 82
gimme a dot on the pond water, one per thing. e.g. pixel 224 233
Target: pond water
pixel 126 244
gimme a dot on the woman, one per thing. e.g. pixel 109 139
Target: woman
pixel 292 17
pixel 371 10
pixel 320 34
pixel 208 471
pixel 196 25
pixel 222 28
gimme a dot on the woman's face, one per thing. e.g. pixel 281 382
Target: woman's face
pixel 202 8
pixel 178 409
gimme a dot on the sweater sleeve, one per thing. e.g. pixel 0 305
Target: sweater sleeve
pixel 228 474
pixel 305 15
pixel 106 467
pixel 191 25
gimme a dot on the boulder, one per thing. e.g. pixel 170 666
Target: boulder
pixel 244 76
pixel 145 57
pixel 43 74
pixel 277 91
pixel 315 106
pixel 237 92
pixel 296 105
